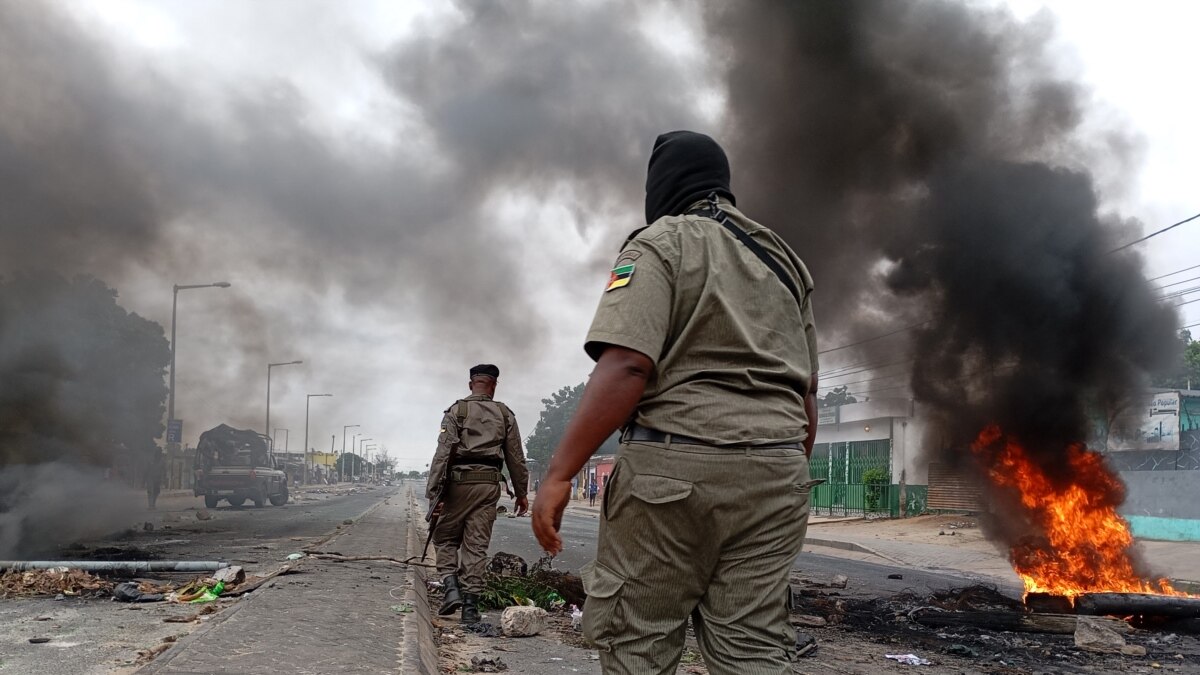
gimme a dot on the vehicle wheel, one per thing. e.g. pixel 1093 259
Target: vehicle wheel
pixel 236 501
pixel 281 498
pixel 210 501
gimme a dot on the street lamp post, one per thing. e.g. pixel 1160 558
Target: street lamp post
pixel 358 452
pixel 373 467
pixel 267 428
pixel 306 402
pixel 286 435
pixel 174 310
pixel 348 426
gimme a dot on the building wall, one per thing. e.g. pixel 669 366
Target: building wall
pixel 1163 504
pixel 882 419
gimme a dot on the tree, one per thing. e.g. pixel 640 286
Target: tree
pixel 836 396
pixel 1184 373
pixel 552 424
pixel 83 378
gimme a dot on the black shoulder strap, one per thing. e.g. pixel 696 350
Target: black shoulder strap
pixel 712 210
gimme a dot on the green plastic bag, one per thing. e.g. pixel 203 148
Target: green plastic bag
pixel 210 594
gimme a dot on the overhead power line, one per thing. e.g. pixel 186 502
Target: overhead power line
pixel 1155 234
pixel 1171 274
pixel 872 339
pixel 841 372
pixel 1176 283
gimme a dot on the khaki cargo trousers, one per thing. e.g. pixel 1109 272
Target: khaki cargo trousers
pixel 464 532
pixel 709 533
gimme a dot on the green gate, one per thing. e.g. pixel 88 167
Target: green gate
pixel 843 466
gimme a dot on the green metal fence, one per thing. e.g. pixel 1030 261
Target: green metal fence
pixel 845 463
pixel 844 493
pixel 858 499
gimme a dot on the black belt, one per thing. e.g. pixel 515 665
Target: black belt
pixel 494 462
pixel 636 432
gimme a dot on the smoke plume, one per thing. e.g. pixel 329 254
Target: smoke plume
pixel 932 167
pixel 926 159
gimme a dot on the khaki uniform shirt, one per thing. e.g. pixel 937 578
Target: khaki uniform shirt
pixel 733 353
pixel 489 431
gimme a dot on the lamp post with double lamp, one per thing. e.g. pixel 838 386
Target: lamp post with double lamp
pixel 171 389
pixel 361 459
pixel 306 453
pixel 343 468
pixel 366 451
pixel 267 428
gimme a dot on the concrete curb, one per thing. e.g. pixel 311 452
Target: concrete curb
pixel 852 546
pixel 418 653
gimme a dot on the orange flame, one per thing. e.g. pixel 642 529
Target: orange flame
pixel 1087 547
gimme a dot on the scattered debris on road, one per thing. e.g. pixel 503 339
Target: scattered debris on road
pixel 519 621
pixel 907 659
pixel 55 581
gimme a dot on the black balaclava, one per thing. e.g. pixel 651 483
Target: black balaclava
pixel 684 168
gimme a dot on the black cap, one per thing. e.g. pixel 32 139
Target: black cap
pixel 486 369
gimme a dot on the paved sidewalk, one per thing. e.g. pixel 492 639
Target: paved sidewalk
pixel 336 617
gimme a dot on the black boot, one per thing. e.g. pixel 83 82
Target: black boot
pixel 470 613
pixel 452 599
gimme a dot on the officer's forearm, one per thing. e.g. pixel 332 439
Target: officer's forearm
pixel 611 394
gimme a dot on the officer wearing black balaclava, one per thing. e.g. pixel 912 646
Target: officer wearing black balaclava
pixel 706 357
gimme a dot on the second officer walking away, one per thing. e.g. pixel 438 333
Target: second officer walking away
pixel 706 352
pixel 479 437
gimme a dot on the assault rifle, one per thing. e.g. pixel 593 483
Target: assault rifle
pixel 433 504
pixel 460 413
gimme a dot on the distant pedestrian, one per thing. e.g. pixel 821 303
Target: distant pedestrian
pixel 593 490
pixel 155 472
pixel 706 351
pixel 479 438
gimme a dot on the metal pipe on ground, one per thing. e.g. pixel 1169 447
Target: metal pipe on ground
pixel 116 565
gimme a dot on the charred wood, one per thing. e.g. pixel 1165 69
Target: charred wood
pixel 1062 624
pixel 1134 604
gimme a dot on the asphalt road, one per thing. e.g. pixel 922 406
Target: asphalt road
pixel 245 535
pixel 579 532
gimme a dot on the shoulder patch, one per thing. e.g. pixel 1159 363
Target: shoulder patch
pixel 622 272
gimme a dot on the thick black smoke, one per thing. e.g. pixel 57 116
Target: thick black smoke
pixel 929 164
pixel 145 174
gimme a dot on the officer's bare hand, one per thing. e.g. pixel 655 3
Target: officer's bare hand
pixel 522 505
pixel 548 509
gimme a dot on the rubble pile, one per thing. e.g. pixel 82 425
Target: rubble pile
pixel 52 582
pixel 981 624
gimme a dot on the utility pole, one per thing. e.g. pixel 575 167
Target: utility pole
pixel 267 428
pixel 171 387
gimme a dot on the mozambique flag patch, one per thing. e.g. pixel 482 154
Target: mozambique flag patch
pixel 620 276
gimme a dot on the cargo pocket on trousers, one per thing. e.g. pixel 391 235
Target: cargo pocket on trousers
pixel 659 489
pixel 603 616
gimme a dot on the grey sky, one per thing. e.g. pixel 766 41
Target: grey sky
pixel 396 193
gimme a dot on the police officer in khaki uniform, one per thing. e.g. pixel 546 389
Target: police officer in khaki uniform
pixel 706 354
pixel 479 437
